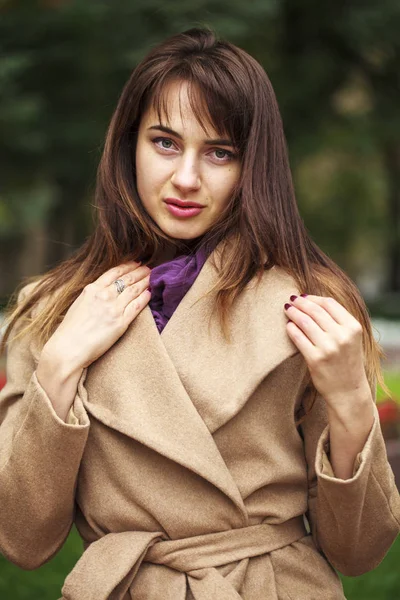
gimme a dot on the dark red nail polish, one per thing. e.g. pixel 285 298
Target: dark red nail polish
pixel 287 305
pixel 292 298
pixel 304 295
pixel 149 289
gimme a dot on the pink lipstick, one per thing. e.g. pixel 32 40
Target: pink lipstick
pixel 180 208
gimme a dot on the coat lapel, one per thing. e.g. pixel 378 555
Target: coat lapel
pixel 171 391
pixel 135 389
pixel 218 376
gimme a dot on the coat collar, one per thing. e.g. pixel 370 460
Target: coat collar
pixel 172 391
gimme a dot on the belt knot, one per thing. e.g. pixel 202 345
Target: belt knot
pixel 215 549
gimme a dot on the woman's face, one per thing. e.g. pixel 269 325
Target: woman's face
pixel 176 163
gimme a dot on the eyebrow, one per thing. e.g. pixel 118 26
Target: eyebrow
pixel 216 142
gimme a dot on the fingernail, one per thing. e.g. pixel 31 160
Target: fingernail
pixel 149 289
pixel 287 305
pixel 304 295
pixel 292 298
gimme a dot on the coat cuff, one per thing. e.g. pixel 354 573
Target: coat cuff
pixel 323 465
pixel 77 416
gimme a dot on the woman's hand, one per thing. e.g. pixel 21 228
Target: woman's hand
pixel 330 339
pixel 99 316
pixel 92 324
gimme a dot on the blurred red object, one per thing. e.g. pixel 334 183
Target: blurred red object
pixel 389 411
pixel 389 416
pixel 2 380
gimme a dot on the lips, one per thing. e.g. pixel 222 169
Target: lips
pixel 182 203
pixel 183 210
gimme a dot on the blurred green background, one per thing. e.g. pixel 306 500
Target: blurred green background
pixel 335 68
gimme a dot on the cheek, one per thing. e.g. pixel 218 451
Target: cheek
pixel 151 173
pixel 223 186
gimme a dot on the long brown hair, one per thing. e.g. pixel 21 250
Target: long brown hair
pixel 229 89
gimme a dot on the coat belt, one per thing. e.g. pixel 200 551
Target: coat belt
pixel 108 567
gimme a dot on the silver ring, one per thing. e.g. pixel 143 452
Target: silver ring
pixel 120 285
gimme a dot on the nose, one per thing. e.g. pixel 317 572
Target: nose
pixel 186 176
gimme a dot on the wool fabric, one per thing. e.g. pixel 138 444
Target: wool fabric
pixel 183 467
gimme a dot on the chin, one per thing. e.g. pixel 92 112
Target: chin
pixel 183 231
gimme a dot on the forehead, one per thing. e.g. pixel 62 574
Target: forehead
pixel 183 108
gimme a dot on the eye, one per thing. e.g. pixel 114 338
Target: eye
pixel 163 143
pixel 223 155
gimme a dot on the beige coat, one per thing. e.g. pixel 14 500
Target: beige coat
pixel 182 467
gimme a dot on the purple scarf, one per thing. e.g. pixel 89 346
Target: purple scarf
pixel 170 281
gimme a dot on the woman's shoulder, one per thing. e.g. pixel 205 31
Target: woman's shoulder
pixel 30 294
pixel 30 299
pixel 27 290
pixel 37 291
pixel 264 297
pixel 276 282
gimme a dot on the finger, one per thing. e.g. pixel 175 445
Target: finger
pixel 133 291
pixel 115 273
pixel 133 276
pixel 306 324
pixel 317 312
pixel 301 341
pixel 136 306
pixel 334 308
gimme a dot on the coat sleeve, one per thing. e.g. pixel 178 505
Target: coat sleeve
pixel 39 460
pixel 355 521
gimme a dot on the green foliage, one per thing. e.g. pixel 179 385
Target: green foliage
pixel 44 583
pixel 383 583
pixel 392 380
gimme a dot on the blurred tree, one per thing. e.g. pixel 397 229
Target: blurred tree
pixel 337 78
pixel 64 63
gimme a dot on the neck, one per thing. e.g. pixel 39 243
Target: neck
pixel 170 252
pixel 163 257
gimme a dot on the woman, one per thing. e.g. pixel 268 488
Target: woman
pixel 214 437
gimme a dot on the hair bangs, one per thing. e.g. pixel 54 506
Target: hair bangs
pixel 214 97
